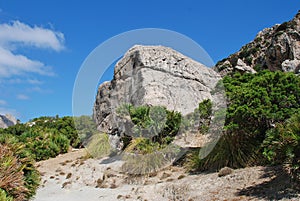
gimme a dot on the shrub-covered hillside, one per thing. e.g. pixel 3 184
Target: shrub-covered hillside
pixel 23 144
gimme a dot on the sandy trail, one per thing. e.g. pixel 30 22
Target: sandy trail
pixel 72 177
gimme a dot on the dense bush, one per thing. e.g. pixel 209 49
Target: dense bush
pixel 63 125
pixel 45 144
pixel 45 137
pixel 282 145
pixel 256 103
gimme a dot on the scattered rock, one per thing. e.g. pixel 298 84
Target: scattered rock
pixel 225 171
pixel 99 183
pixel 65 184
pixel 165 175
pixel 69 175
pixel 181 176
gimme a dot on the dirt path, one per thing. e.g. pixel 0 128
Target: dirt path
pixel 71 177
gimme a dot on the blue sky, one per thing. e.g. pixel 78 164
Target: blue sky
pixel 44 43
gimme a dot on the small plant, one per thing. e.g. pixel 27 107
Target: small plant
pixel 18 177
pixel 98 145
pixel 4 196
pixel 282 146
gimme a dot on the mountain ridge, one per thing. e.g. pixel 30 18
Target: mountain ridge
pixel 275 48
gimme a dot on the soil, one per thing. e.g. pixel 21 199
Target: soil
pixel 74 177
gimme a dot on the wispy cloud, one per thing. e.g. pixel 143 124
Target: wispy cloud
pixel 39 90
pixel 3 102
pixel 16 35
pixel 11 64
pixel 22 97
pixel 18 32
pixel 34 81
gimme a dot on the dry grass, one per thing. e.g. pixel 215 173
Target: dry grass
pixel 11 174
pixel 98 146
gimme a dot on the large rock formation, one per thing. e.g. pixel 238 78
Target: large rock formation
pixel 7 120
pixel 153 75
pixel 276 48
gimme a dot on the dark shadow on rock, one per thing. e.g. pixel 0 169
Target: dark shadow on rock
pixel 111 159
pixel 277 188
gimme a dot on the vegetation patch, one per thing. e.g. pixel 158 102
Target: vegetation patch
pixel 257 103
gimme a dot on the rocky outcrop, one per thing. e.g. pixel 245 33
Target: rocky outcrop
pixel 153 75
pixel 7 120
pixel 276 48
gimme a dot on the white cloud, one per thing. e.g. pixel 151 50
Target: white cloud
pixel 3 102
pixel 22 97
pixel 17 35
pixel 34 81
pixel 18 32
pixel 11 64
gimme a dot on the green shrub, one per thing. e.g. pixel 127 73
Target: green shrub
pixel 61 141
pixel 256 103
pixel 282 145
pixel 4 196
pixel 156 123
pixel 143 146
pixel 45 144
pixel 85 127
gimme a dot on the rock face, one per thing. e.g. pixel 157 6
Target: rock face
pixel 153 75
pixel 7 120
pixel 276 48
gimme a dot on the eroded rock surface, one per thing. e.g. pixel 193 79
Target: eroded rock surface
pixel 153 75
pixel 7 120
pixel 276 48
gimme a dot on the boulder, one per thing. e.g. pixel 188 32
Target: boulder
pixel 152 75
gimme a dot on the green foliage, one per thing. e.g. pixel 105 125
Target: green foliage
pixel 205 109
pixel 45 144
pixel 18 177
pixel 258 67
pixel 256 103
pixel 282 145
pixel 142 145
pixel 261 99
pixel 4 196
pixel 17 129
pixel 44 137
pixel 156 123
pixel 64 125
pixel 201 117
pixel 85 127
